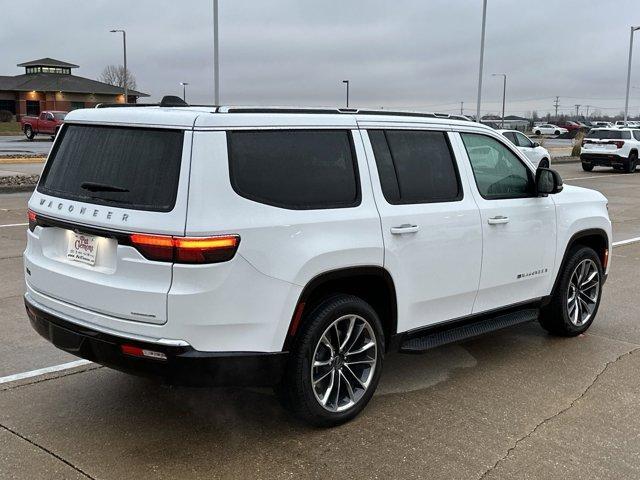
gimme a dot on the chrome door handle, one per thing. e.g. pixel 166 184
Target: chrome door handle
pixel 404 228
pixel 498 220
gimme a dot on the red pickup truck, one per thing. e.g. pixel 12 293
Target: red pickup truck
pixel 47 123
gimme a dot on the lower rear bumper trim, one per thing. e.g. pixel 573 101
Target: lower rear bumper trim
pixel 183 365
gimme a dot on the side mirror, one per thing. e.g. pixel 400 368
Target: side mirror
pixel 548 181
pixel 536 144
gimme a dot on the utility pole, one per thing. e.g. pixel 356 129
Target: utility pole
pixel 461 108
pixel 556 104
pixel 577 109
pixel 587 116
pixel 484 23
pixel 216 56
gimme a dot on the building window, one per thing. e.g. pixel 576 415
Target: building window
pixel 33 107
pixel 77 105
pixel 8 105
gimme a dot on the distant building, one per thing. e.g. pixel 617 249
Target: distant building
pixel 48 84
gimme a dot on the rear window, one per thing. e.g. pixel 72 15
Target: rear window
pixel 295 169
pixel 609 134
pixel 136 168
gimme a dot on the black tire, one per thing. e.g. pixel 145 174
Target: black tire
pixel 557 132
pixel 632 161
pixel 544 163
pixel 587 167
pixel 538 132
pixel 28 132
pixel 296 391
pixel 555 317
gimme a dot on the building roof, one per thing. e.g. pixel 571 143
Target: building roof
pixel 56 82
pixel 47 62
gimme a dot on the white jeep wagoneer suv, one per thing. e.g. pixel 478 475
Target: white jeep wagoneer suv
pixel 295 248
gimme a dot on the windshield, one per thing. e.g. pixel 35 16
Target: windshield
pixel 609 134
pixel 135 168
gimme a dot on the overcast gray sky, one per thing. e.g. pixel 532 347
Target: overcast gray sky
pixel 402 53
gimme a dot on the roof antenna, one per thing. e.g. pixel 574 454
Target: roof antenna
pixel 173 101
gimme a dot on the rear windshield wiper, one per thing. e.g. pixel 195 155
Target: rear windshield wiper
pixel 102 187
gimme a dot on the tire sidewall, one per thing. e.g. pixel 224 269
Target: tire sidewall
pixel 577 256
pixel 304 349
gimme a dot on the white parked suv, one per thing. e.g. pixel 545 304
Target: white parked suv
pixel 611 147
pixel 296 248
pixel 549 129
pixel 537 154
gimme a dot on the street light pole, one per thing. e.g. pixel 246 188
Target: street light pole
pixel 126 74
pixel 504 91
pixel 216 56
pixel 484 22
pixel 184 91
pixel 626 101
pixel 346 82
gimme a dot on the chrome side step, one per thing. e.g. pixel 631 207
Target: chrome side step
pixel 418 343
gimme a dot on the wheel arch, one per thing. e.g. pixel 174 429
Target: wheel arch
pixel 595 238
pixel 373 284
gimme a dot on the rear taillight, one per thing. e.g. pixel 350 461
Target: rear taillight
pixel 33 219
pixel 220 248
pixel 619 143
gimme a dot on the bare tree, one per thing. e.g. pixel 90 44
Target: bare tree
pixel 115 75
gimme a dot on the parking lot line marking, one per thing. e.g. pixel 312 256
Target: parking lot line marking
pixel 43 371
pixel 626 242
pixel 595 176
pixel 14 225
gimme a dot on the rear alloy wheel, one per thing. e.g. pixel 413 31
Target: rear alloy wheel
pixel 576 298
pixel 632 161
pixel 28 132
pixel 557 132
pixel 335 362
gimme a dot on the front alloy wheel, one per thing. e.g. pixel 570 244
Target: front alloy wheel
pixel 344 362
pixel 584 290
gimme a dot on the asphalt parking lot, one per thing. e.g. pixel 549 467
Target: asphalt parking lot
pixel 18 144
pixel 514 405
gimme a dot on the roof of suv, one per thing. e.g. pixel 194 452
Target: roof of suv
pixel 224 117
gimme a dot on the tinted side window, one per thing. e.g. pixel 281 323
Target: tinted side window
pixel 511 136
pixel 498 172
pixel 523 141
pixel 415 166
pixel 296 169
pixel 636 134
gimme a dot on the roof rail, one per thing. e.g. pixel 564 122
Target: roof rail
pixel 124 105
pixel 312 110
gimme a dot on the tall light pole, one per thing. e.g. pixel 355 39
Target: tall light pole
pixel 626 101
pixel 126 72
pixel 184 90
pixel 504 91
pixel 346 82
pixel 216 56
pixel 484 22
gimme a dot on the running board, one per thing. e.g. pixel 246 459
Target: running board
pixel 429 340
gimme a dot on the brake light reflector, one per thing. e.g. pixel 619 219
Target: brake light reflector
pixel 220 248
pixel 33 219
pixel 142 352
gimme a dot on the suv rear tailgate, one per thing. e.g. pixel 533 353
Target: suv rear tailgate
pixel 101 184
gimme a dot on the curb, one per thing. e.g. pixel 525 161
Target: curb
pixel 561 160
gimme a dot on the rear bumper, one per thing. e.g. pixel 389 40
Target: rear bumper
pixel 183 364
pixel 603 159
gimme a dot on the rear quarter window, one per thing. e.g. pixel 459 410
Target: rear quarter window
pixel 294 169
pixel 138 168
